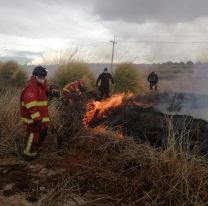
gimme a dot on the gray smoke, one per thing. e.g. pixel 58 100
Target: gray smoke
pixel 186 93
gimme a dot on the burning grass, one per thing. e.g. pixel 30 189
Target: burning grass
pixel 95 167
pixel 100 109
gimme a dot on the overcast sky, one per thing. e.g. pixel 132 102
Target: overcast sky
pixel 146 30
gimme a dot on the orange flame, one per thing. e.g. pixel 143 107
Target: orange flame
pixel 100 109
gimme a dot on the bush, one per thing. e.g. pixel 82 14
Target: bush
pixel 71 72
pixel 126 78
pixel 11 74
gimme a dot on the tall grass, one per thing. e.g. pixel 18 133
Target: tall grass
pixel 66 120
pixel 11 128
pixel 11 74
pixel 72 71
pixel 121 172
pixel 127 79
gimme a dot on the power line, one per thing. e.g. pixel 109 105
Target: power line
pixel 163 42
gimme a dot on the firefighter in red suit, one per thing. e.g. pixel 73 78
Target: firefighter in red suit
pixel 73 90
pixel 34 112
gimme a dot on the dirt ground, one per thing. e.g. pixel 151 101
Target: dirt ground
pixel 27 183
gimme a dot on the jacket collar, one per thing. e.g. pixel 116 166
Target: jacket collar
pixel 34 81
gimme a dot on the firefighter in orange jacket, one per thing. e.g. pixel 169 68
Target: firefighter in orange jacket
pixel 73 90
pixel 34 111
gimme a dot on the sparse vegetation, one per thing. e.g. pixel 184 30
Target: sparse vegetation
pixel 11 74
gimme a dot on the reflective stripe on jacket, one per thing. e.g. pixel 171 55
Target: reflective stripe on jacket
pixel 71 87
pixel 34 104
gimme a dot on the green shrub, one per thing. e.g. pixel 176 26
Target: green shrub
pixel 71 72
pixel 126 78
pixel 11 74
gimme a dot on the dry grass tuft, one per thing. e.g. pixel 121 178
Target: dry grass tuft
pixel 127 78
pixel 11 129
pixel 73 71
pixel 12 74
pixel 113 171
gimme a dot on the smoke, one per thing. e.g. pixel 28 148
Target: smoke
pixel 186 93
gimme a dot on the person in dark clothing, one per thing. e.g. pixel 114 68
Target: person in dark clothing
pixel 153 80
pixel 104 85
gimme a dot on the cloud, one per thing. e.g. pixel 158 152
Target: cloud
pixel 41 19
pixel 23 57
pixel 140 11
pixel 159 42
pixel 43 25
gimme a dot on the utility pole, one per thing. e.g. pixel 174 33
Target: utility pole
pixel 113 42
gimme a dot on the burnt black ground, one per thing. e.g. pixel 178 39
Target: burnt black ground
pixel 149 125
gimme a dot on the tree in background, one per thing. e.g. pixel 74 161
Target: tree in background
pixel 126 77
pixel 11 74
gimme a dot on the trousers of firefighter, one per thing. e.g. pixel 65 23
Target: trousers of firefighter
pixel 73 91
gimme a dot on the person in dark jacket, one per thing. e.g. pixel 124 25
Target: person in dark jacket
pixel 153 80
pixel 104 83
